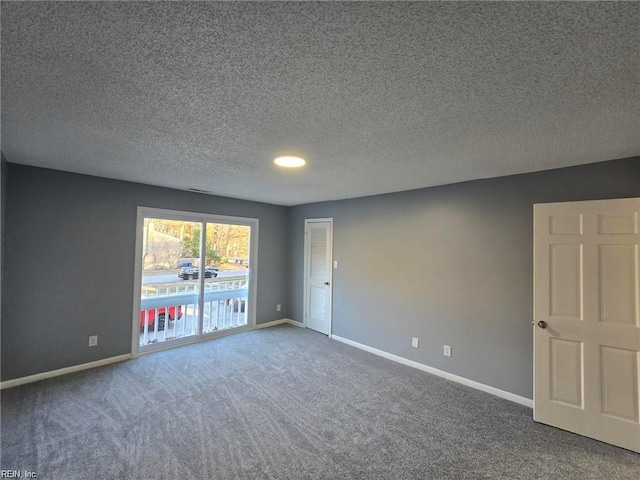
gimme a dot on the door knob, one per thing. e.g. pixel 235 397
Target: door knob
pixel 326 283
pixel 542 324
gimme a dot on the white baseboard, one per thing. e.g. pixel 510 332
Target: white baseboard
pixel 62 371
pixel 440 373
pixel 271 324
pixel 280 322
pixel 296 323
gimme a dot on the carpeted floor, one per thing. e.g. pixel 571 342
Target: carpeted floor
pixel 284 403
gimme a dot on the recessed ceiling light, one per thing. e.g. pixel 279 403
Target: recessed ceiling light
pixel 289 161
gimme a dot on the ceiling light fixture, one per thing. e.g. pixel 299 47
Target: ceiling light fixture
pixel 290 161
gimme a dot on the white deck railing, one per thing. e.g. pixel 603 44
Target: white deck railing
pixel 172 312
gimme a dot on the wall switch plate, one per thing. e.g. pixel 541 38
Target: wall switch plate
pixel 447 351
pixel 335 264
pixel 278 307
pixel 93 340
pixel 414 342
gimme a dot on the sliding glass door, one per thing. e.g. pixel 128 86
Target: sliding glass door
pixel 193 277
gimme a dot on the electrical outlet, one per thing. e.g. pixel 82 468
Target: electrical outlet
pixel 447 351
pixel 278 307
pixel 93 340
pixel 414 342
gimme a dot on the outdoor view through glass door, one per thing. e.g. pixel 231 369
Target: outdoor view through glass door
pixel 194 276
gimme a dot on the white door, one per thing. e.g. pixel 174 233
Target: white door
pixel 587 320
pixel 318 237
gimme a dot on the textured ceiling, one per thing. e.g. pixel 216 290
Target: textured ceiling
pixel 379 97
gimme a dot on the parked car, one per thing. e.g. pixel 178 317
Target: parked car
pixel 210 269
pixel 149 316
pixel 193 273
pixel 187 273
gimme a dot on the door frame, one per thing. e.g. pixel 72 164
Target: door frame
pixel 305 298
pixel 142 213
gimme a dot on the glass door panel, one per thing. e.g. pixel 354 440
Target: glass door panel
pixel 226 283
pixel 169 299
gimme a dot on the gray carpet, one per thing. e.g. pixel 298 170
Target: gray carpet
pixel 284 403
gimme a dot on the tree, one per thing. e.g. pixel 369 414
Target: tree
pixel 223 240
pixel 211 256
pixel 192 243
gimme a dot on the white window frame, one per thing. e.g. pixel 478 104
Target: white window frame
pixel 165 214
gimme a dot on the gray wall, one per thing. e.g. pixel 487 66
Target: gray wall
pixel 70 260
pixel 463 277
pixel 462 274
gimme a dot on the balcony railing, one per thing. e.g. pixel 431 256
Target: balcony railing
pixel 172 312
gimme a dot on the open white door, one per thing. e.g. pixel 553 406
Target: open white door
pixel 587 320
pixel 318 237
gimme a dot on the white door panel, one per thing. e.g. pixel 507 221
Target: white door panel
pixel 318 260
pixel 586 350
